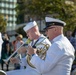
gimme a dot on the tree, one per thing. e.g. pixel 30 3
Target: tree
pixel 20 11
pixel 2 24
pixel 58 8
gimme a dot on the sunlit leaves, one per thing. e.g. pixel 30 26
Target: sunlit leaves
pixel 2 24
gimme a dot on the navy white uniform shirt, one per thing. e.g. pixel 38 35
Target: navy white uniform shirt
pixel 59 58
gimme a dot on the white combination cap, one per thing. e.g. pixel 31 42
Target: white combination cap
pixel 52 21
pixel 29 26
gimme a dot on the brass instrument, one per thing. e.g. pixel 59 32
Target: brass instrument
pixel 2 72
pixel 41 53
pixel 15 53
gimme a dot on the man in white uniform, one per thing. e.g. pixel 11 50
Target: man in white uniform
pixel 1 41
pixel 60 55
pixel 39 42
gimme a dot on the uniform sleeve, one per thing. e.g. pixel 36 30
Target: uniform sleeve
pixel 52 57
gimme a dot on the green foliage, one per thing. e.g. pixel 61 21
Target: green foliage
pixel 2 24
pixel 58 8
pixel 20 9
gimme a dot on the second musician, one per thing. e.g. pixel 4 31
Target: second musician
pixel 39 42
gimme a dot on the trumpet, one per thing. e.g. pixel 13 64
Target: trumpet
pixel 15 53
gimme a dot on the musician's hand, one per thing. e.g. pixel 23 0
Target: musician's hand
pixel 31 50
pixel 22 50
pixel 14 60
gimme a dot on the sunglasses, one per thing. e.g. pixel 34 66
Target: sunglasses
pixel 49 28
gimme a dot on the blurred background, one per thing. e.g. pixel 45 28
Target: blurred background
pixel 15 14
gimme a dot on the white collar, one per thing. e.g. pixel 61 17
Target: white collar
pixel 58 37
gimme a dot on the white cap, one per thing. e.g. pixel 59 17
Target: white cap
pixel 29 26
pixel 54 21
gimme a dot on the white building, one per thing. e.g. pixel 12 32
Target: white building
pixel 7 8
